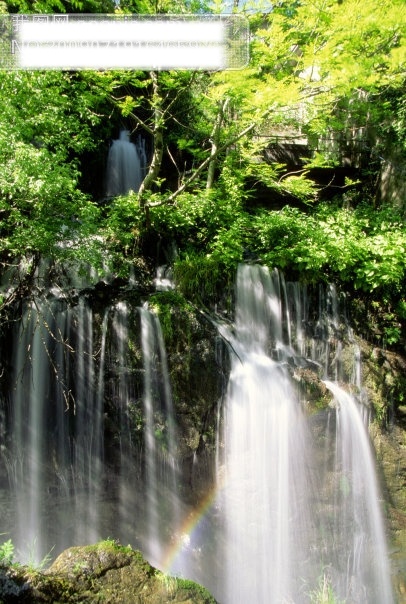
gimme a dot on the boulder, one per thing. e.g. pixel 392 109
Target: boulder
pixel 106 572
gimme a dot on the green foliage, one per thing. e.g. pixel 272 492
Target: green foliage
pixel 361 247
pixel 7 557
pixel 324 594
pixel 6 553
pixel 299 186
pixel 48 121
pixel 33 564
pixel 168 306
pixel 122 226
pixel 392 335
pixel 195 219
pixel 188 585
pixel 60 6
pixel 310 75
pixel 199 277
pixel 358 246
pixel 163 6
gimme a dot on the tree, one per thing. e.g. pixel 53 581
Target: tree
pixel 297 79
pixel 306 75
pixel 59 6
pixel 48 121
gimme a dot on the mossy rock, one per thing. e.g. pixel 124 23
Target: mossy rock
pixel 103 573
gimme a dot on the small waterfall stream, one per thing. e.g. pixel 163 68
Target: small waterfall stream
pixel 122 396
pixel 29 452
pixel 358 545
pixel 126 163
pixel 160 438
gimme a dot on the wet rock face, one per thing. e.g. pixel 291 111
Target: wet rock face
pixel 390 447
pixel 106 573
pixel 199 365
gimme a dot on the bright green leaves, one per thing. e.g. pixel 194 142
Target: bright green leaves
pixel 7 551
pixel 40 203
pixel 59 6
pixel 49 109
pixel 321 66
pixel 127 105
pixel 123 225
pixel 361 248
pixel 360 42
pixel 385 261
pixel 46 123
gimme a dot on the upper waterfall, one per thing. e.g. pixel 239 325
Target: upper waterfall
pixel 125 166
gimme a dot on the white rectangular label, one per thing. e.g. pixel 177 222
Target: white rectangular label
pixel 71 42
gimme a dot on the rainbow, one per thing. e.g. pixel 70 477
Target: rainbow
pixel 187 527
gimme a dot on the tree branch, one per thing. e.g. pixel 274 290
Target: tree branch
pixel 157 133
pixel 215 140
pixel 207 162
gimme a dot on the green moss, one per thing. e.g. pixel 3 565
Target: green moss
pixel 190 586
pixel 203 279
pixel 105 572
pixel 114 546
pixel 176 316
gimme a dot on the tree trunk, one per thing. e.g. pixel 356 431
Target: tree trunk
pixel 158 136
pixel 215 141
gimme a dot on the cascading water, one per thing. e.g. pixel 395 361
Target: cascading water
pixel 28 454
pixel 160 437
pixel 87 435
pixel 55 428
pixel 298 517
pixel 125 166
pixel 268 481
pixel 266 499
pixel 121 393
pixel 73 443
pixel 359 560
pixel 47 456
pixel 91 447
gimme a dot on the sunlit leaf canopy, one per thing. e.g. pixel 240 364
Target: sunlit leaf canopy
pixel 324 72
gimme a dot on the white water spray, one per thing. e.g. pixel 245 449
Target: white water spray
pixel 297 516
pixel 124 166
pixel 357 550
pixel 159 436
pixel 266 493
pixel 28 443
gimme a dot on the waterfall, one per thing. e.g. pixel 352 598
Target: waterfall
pixel 87 440
pixel 297 514
pixel 56 428
pixel 358 546
pixel 121 395
pixel 91 445
pixel 160 437
pixel 126 164
pixel 275 501
pixel 28 453
pixel 268 482
pixel 74 443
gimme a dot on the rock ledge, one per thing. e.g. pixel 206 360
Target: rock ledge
pixel 106 572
